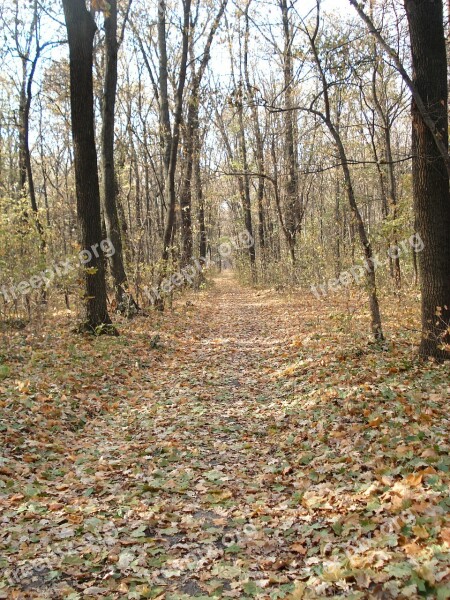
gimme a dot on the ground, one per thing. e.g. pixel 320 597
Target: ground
pixel 247 444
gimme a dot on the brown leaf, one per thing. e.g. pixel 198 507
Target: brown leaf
pixel 445 535
pixel 412 549
pixel 299 549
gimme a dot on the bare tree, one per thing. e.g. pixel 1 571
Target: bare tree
pixel 326 117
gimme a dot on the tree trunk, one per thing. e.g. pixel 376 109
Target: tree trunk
pixel 357 220
pixel 293 211
pixel 192 143
pixel 186 189
pixel 25 166
pixel 258 136
pixel 123 300
pixel 203 237
pixel 244 187
pixel 171 139
pixel 430 175
pixel 81 30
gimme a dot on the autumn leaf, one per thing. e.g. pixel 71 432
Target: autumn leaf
pixel 445 535
pixel 298 548
pixel 414 480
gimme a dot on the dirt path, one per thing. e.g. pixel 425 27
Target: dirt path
pixel 241 458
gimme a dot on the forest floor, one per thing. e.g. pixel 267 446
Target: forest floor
pixel 246 444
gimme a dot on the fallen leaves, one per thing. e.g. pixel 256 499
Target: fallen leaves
pixel 252 456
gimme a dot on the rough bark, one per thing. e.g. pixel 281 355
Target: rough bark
pixel 292 208
pixel 430 175
pixel 125 302
pixel 81 30
pixel 171 138
pixel 259 143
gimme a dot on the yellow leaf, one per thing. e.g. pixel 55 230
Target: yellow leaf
pixel 414 480
pixel 428 471
pixel 298 592
pixel 412 549
pixel 338 434
pixel 421 532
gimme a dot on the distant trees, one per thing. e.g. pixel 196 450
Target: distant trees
pixel 170 135
pixel 192 138
pixel 211 119
pixel 431 163
pixel 293 208
pixel 28 46
pixel 324 113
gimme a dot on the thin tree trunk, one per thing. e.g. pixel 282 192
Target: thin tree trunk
pixel 186 188
pixel 192 141
pixel 171 139
pixel 292 219
pixel 124 301
pixel 245 180
pixel 357 220
pixel 25 166
pixel 375 314
pixel 258 136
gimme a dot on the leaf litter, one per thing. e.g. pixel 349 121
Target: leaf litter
pixel 263 449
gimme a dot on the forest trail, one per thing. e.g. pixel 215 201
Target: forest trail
pixel 250 454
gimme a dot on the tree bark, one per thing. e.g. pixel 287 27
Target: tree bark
pixel 171 139
pixel 244 181
pixel 293 211
pixel 125 302
pixel 430 175
pixel 81 29
pixel 259 143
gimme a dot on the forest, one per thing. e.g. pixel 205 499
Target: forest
pixel 224 299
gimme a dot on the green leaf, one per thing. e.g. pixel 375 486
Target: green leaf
pixel 251 588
